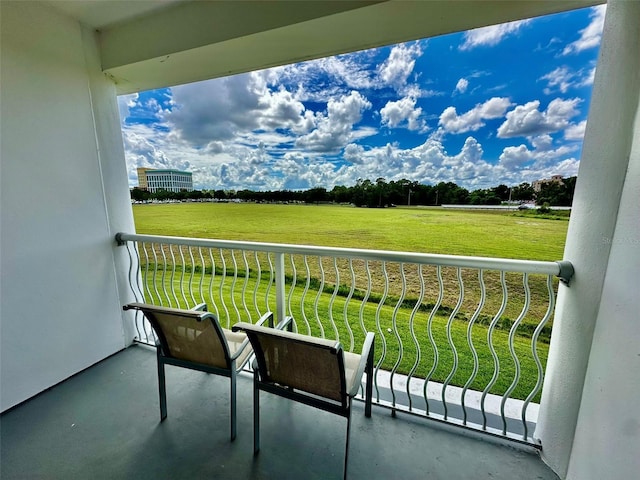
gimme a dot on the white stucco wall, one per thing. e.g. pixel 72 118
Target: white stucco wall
pixel 59 310
pixel 588 422
pixel 607 438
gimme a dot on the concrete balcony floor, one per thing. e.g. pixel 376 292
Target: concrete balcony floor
pixel 104 423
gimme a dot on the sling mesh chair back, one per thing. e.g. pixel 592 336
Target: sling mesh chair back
pixel 313 371
pixel 195 340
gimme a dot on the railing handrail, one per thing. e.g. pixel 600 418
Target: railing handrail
pixel 562 269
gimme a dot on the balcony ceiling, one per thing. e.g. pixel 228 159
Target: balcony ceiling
pixel 160 43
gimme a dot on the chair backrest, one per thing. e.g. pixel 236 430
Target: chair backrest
pixel 189 335
pixel 310 364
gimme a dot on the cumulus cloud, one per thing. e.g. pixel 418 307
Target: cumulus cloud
pixel 473 120
pixel 403 113
pixel 397 68
pixel 575 131
pixel 591 35
pixel 563 78
pixel 528 120
pixel 462 85
pixel 335 129
pixel 492 35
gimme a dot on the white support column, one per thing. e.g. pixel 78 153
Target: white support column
pixel 598 198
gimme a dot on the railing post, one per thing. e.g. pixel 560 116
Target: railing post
pixel 280 293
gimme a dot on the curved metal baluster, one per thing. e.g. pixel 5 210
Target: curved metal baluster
pixel 164 269
pixel 184 297
pixel 516 361
pixel 271 279
pixel 496 361
pixel 211 282
pixel 474 352
pixel 294 280
pixel 233 284
pixel 173 275
pixel 416 344
pixel 135 295
pixel 333 298
pixel 346 305
pixel 191 277
pixel 536 358
pixel 155 272
pixel 434 347
pixel 304 295
pixel 145 280
pixel 394 327
pixel 255 289
pixel 139 294
pixel 318 295
pixel 454 368
pixel 222 282
pixel 381 334
pixel 245 284
pixel 203 271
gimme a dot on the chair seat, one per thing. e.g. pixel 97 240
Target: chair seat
pixel 351 363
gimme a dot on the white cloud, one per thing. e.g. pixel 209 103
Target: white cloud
pixel 397 68
pixel 403 113
pixel 527 120
pixel 575 131
pixel 492 35
pixel 591 35
pixel 462 85
pixel 562 79
pixel 335 129
pixel 473 119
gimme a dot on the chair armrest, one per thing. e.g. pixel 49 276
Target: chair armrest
pixel 287 322
pixel 201 307
pixel 365 356
pixel 266 317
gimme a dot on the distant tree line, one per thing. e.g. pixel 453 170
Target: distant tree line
pixel 380 193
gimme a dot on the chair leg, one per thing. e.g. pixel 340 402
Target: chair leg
pixel 369 389
pixel 346 450
pixel 256 413
pixel 162 389
pixel 233 402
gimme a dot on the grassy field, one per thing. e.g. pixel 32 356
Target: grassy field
pixel 429 230
pixel 414 229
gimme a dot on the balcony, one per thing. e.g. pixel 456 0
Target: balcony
pixel 105 423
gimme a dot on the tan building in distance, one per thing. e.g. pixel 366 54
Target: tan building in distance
pixel 537 184
pixel 170 180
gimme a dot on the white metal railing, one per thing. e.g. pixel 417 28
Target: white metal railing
pixel 458 339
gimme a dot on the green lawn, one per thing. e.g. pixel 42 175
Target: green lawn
pixel 414 229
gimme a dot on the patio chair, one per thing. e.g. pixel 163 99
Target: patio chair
pixel 314 371
pixel 195 340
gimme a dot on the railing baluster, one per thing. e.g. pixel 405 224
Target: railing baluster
pixel 164 270
pixel 472 348
pixel 416 344
pixel 496 361
pixel 294 279
pixel 512 351
pixel 536 357
pixel 233 285
pixel 211 283
pixel 155 272
pixel 394 325
pixel 280 287
pixel 318 296
pixel 452 346
pixel 258 279
pixel 434 347
pixel 245 284
pixel 222 282
pixel 381 303
pixel 303 297
pixel 333 298
pixel 184 266
pixel 270 283
pixel 191 277
pixel 173 275
pixel 203 271
pixel 346 305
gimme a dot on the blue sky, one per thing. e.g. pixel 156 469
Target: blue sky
pixel 501 104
